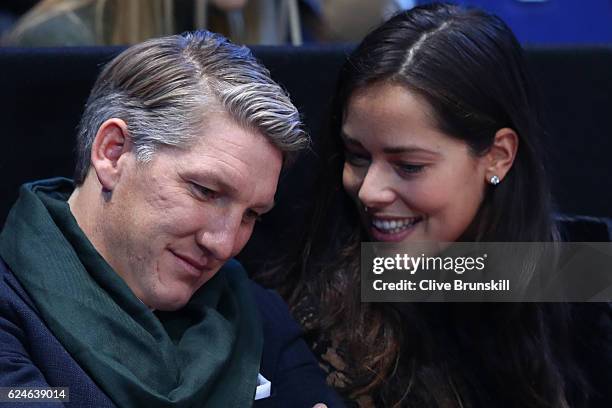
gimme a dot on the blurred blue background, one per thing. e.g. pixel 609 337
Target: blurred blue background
pixel 552 22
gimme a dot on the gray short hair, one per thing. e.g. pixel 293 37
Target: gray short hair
pixel 163 87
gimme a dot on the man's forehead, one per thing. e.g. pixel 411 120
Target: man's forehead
pixel 236 160
pixel 216 115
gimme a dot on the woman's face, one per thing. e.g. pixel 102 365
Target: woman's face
pixel 417 183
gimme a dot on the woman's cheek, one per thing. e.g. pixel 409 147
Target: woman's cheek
pixel 422 197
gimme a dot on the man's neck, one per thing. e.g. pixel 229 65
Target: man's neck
pixel 82 207
pixel 86 205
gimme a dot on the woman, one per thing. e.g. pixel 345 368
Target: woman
pixel 441 137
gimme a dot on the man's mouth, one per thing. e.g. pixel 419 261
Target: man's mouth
pixel 193 263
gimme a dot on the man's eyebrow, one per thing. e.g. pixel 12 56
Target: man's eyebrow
pixel 206 177
pixel 209 177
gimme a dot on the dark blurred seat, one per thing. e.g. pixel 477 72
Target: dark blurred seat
pixel 44 91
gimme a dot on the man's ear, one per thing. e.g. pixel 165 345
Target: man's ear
pixel 501 154
pixel 111 143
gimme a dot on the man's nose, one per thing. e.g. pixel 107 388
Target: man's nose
pixel 221 240
pixel 376 190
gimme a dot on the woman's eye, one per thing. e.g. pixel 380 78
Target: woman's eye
pixel 356 159
pixel 204 192
pixel 408 168
pixel 251 216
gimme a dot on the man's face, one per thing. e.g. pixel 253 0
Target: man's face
pixel 173 222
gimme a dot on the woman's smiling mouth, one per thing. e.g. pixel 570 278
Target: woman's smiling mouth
pixel 392 229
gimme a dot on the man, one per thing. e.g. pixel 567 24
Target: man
pixel 120 286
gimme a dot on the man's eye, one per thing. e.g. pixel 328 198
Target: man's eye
pixel 251 216
pixel 204 192
pixel 356 159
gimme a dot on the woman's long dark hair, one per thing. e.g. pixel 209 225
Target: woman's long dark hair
pixel 470 68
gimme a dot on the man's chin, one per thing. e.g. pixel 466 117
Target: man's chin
pixel 167 302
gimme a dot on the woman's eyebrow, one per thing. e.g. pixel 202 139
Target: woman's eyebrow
pixel 408 149
pixel 349 140
pixel 390 149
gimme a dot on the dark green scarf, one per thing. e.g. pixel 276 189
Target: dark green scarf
pixel 204 355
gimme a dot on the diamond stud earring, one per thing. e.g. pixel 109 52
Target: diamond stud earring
pixel 494 180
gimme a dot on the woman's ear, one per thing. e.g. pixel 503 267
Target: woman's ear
pixel 110 144
pixel 501 155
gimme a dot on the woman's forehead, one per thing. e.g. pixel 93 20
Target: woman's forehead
pixel 389 114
